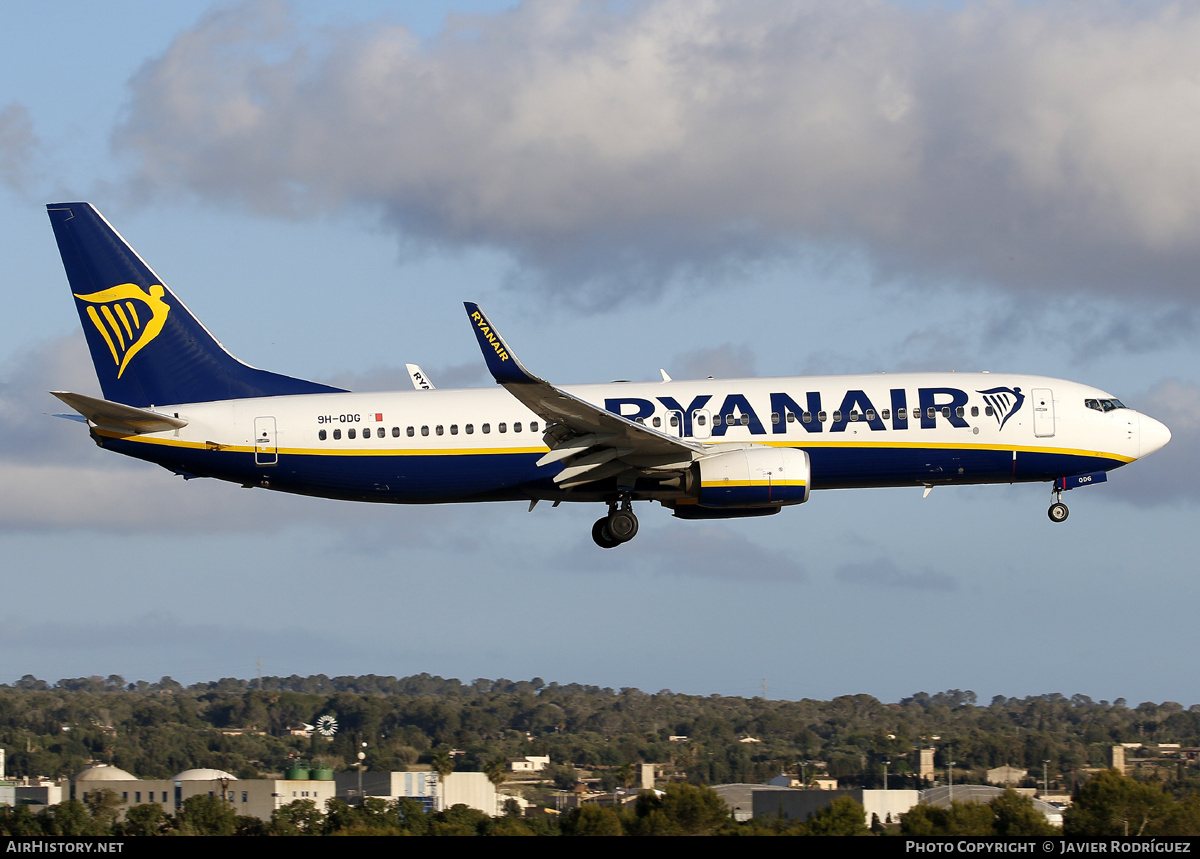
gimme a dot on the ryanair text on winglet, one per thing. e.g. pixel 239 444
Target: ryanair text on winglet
pixel 486 330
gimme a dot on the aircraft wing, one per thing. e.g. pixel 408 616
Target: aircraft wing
pixel 597 442
pixel 119 417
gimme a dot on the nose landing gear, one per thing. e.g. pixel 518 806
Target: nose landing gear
pixel 1058 511
pixel 619 526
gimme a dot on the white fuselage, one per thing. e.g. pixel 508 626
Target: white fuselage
pixel 480 444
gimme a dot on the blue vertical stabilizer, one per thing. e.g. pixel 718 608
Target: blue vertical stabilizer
pixel 147 347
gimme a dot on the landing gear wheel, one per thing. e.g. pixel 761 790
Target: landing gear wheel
pixel 622 525
pixel 1058 512
pixel 601 536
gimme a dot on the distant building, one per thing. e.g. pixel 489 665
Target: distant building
pixel 249 797
pixel 802 804
pixel 944 795
pixel 1118 759
pixel 646 775
pixel 529 763
pixel 474 790
pixel 925 766
pixel 1006 776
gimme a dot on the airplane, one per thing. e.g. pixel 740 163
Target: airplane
pixel 703 449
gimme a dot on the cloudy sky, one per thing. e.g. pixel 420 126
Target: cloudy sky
pixel 715 188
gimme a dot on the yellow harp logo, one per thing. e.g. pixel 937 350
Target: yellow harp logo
pixel 126 318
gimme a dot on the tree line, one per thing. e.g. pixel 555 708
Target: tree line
pixel 155 730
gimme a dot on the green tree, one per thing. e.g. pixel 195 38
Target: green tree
pixel 301 817
pixel 104 806
pixel 19 820
pixel 497 771
pixel 206 815
pixel 591 819
pixel 961 818
pixel 443 765
pixel 683 809
pixel 145 819
pixel 69 817
pixel 1016 815
pixel 1113 804
pixel 843 816
pixel 459 820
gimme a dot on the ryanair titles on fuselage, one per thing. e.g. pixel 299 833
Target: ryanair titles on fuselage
pixel 948 404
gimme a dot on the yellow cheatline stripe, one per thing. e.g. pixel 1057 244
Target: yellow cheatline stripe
pixel 752 483
pixel 908 445
pixel 539 449
pixel 320 451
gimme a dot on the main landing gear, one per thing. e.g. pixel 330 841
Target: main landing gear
pixel 619 526
pixel 1058 511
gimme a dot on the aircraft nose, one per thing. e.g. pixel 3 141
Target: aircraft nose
pixel 1154 435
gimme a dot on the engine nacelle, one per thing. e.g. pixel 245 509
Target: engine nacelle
pixel 755 477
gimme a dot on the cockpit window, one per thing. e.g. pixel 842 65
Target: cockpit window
pixel 1104 405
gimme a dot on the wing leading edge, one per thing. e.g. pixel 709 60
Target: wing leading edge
pixel 592 442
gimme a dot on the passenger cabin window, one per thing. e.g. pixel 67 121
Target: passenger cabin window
pixel 439 430
pixel 822 417
pixel 533 426
pixel 350 433
pixel 337 434
pixel 517 426
pixel 502 427
pixel 321 435
pixel 853 415
pixel 657 422
pixel 837 416
pixel 700 420
pixel 974 411
pixel 453 429
pixel 870 414
pixel 886 414
pixel 470 429
pixel 410 432
pixel 806 417
pixel 901 414
pixel 395 432
pixel 425 430
pixel 486 428
pixel 774 417
pixel 791 417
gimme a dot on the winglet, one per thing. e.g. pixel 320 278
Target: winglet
pixel 417 376
pixel 501 362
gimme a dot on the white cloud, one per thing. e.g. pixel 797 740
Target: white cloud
pixel 1037 147
pixel 18 145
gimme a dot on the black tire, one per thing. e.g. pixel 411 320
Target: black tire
pixel 622 525
pixel 1058 512
pixel 601 536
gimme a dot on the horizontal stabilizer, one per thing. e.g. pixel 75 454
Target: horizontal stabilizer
pixel 119 417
